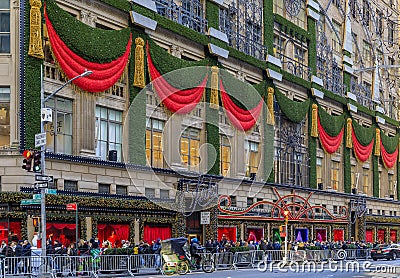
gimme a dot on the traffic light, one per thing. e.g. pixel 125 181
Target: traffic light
pixel 37 161
pixel 286 214
pixel 27 162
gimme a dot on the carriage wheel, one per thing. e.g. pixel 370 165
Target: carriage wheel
pixel 182 268
pixel 167 270
pixel 208 266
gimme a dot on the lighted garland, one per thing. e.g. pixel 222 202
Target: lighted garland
pixel 332 125
pixel 295 111
pixel 92 44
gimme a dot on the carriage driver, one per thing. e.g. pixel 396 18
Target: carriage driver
pixel 195 249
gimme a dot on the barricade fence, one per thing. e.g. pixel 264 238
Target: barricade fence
pixel 55 266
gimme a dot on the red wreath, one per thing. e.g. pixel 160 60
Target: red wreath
pixel 240 118
pixel 176 100
pixel 104 75
pixel 388 158
pixel 329 143
pixel 362 152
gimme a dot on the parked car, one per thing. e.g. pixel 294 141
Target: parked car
pixel 385 251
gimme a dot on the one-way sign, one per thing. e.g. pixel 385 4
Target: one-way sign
pixel 43 178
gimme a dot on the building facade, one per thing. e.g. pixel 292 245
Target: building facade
pixel 239 109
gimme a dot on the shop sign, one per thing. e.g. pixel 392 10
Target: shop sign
pixel 205 217
pixel 72 206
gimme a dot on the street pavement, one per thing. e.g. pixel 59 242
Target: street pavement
pixel 343 269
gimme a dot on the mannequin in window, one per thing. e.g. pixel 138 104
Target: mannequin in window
pixel 112 239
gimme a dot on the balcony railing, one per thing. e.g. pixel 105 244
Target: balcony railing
pixel 295 67
pixel 190 15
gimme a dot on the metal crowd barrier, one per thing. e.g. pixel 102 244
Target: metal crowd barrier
pixel 55 266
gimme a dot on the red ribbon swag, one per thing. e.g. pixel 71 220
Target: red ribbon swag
pixel 388 158
pixel 362 152
pixel 104 75
pixel 329 143
pixel 176 100
pixel 240 118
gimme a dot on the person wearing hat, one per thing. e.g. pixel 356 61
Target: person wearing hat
pixel 195 249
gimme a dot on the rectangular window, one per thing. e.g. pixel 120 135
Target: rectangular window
pixel 336 35
pixel 190 148
pixel 253 35
pixel 319 170
pixel 250 201
pixel 225 155
pixel 4 117
pixel 278 45
pixel 70 185
pixel 252 157
pixel 104 188
pixel 262 205
pixel 383 212
pixel 335 210
pixel 233 201
pixel 5 26
pixel 164 194
pixel 154 148
pixel 109 132
pixel 365 181
pixel 391 28
pixel 394 213
pixel 150 192
pixel 366 12
pixel 367 53
pixel 299 18
pixel 370 211
pixel 379 22
pixel 59 131
pixel 335 175
pixel 121 189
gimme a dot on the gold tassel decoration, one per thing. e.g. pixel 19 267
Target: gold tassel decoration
pixel 377 142
pixel 214 103
pixel 35 30
pixel 270 105
pixel 349 141
pixel 314 120
pixel 138 78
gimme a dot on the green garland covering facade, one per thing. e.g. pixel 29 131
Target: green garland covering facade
pixel 331 124
pixel 390 143
pixel 295 111
pixel 364 134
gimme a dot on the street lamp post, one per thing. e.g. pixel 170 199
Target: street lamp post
pixel 285 257
pixel 43 100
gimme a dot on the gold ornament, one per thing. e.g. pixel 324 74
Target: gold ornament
pixel 349 142
pixel 314 120
pixel 35 30
pixel 214 103
pixel 270 105
pixel 138 78
pixel 377 142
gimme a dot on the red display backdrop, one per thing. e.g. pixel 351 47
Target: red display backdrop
pixel 229 232
pixel 338 235
pixel 14 227
pixel 393 236
pixel 254 234
pixel 381 235
pixel 369 235
pixel 320 234
pixel 156 232
pixel 114 233
pixel 63 232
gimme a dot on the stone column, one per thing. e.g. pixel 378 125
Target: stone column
pixel 86 127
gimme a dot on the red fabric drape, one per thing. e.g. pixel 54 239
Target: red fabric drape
pixel 258 233
pixel 177 101
pixel 338 235
pixel 369 235
pixel 156 232
pixel 389 158
pixel 63 232
pixel 104 75
pixel 329 143
pixel 105 232
pixel 393 236
pixel 320 234
pixel 229 232
pixel 15 227
pixel 362 152
pixel 381 236
pixel 240 118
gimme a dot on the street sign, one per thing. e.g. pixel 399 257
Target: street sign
pixel 51 191
pixel 205 217
pixel 27 202
pixel 38 185
pixel 44 178
pixel 72 206
pixel 37 196
pixel 40 139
